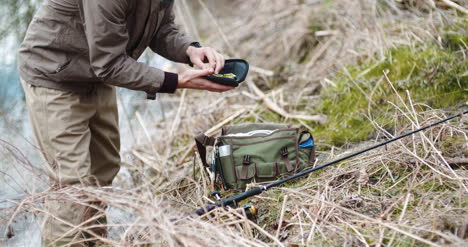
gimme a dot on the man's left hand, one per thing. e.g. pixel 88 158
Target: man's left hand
pixel 199 55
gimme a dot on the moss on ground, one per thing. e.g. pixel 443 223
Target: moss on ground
pixel 433 76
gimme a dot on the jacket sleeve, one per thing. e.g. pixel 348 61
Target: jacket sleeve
pixel 107 36
pixel 169 41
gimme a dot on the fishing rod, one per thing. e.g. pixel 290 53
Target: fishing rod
pixel 232 201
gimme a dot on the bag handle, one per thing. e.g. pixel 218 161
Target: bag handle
pixel 202 141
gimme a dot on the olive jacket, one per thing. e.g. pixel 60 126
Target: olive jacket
pixel 73 45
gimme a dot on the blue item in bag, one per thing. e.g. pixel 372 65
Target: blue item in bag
pixel 307 144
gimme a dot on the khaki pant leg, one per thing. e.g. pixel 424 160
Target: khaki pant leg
pixel 104 147
pixel 105 138
pixel 61 126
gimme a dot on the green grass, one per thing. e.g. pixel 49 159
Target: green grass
pixel 432 75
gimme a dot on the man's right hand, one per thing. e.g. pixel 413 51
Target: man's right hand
pixel 192 79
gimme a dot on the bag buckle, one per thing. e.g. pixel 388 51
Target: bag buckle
pixel 284 152
pixel 246 161
pixel 284 155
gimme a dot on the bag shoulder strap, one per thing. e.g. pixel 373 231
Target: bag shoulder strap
pixel 203 141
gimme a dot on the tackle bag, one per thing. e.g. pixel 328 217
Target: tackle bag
pixel 256 152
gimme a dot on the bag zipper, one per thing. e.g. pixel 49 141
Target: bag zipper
pixel 247 137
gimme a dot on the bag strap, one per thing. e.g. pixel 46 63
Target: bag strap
pixel 202 141
pixel 284 156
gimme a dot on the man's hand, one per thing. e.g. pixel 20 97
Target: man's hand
pixel 198 56
pixel 192 79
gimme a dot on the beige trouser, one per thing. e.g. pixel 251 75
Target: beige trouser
pixel 79 137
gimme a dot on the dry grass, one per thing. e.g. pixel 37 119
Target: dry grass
pixel 408 194
pixel 405 194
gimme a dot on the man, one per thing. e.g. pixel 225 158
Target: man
pixel 74 53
